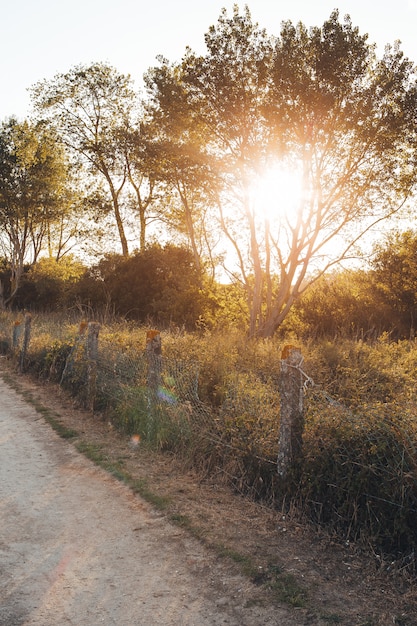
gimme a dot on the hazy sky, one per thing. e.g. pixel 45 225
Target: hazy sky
pixel 41 38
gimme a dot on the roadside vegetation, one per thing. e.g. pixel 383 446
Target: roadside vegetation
pixel 218 411
pixel 219 209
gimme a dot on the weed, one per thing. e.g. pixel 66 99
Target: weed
pixel 286 588
pixel 180 520
pixel 141 487
pixel 219 411
pixel 244 561
pixel 91 451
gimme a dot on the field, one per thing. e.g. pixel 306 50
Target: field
pixel 216 412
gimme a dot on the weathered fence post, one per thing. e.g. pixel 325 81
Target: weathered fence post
pixel 92 358
pixel 154 358
pixel 17 331
pixel 70 358
pixel 292 414
pixel 25 343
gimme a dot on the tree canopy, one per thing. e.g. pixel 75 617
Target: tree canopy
pixel 35 195
pixel 88 106
pixel 317 103
pixel 272 154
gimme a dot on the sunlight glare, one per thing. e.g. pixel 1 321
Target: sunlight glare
pixel 277 193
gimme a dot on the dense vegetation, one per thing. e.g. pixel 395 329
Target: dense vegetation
pixel 164 287
pixel 157 196
pixel 269 158
pixel 365 303
pixel 218 409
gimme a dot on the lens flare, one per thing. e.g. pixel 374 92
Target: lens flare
pixel 167 396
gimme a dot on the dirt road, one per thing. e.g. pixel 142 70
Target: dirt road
pixel 77 547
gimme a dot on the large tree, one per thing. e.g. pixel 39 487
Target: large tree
pixel 90 106
pixel 315 102
pixel 226 91
pixel 34 195
pixel 347 119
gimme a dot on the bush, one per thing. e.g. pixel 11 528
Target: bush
pixel 46 286
pixel 358 475
pixel 159 284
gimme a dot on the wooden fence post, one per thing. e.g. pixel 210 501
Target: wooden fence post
pixel 25 343
pixel 92 358
pixel 17 331
pixel 154 358
pixel 292 414
pixel 70 358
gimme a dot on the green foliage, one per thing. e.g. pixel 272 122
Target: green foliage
pixel 52 360
pixel 162 425
pixel 394 278
pixel 357 372
pixel 92 102
pixel 287 589
pixel 159 284
pixel 34 193
pixel 250 410
pixel 47 285
pixel 358 474
pixel 338 304
pixel 317 99
pixel 360 303
pixel 230 310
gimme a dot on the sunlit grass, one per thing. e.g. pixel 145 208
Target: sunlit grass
pixel 358 474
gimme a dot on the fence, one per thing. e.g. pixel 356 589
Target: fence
pixel 355 472
pixel 141 389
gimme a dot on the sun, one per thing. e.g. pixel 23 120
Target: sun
pixel 276 193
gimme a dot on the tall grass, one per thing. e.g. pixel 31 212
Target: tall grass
pixel 218 410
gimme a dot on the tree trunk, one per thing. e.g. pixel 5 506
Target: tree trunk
pixel 2 299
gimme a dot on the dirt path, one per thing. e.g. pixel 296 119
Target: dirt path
pixel 77 547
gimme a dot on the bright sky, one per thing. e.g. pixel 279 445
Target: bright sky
pixel 41 38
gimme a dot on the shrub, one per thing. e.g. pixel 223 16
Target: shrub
pixel 359 477
pixel 46 286
pixel 159 284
